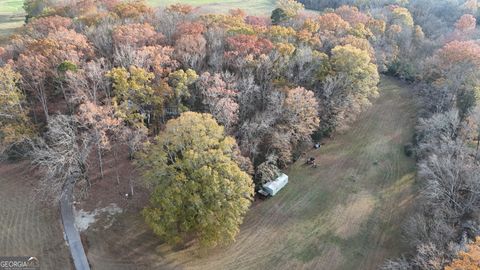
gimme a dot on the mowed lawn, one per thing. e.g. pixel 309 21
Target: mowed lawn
pixel 28 227
pixel 345 214
pixel 11 17
pixel 250 6
pixel 11 6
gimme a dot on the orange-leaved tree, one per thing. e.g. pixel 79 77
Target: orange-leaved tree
pixel 467 260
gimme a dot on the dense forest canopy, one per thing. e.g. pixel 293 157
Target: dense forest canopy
pixel 215 104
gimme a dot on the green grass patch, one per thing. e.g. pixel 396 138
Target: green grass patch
pixel 11 17
pixel 11 6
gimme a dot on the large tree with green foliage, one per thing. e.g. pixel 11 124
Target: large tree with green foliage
pixel 180 81
pixel 355 66
pixel 199 190
pixel 14 123
pixel 349 88
pixel 278 16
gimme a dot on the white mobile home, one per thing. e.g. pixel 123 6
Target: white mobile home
pixel 276 185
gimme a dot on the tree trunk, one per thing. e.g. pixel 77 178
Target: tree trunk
pixel 478 145
pixel 45 110
pixel 131 152
pixel 42 97
pixel 69 106
pixel 131 187
pixel 35 119
pixel 115 156
pixel 100 160
pixel 83 170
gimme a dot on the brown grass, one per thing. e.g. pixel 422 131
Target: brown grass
pixel 27 227
pixel 9 24
pixel 347 218
pixel 345 214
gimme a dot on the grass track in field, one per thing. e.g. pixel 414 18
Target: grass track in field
pixel 345 214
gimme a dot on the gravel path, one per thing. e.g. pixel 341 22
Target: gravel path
pixel 71 233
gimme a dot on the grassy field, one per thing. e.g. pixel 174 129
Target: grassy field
pixel 11 6
pixel 251 6
pixel 345 214
pixel 11 17
pixel 28 228
pixel 255 6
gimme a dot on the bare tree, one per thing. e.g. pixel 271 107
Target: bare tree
pixel 215 37
pixel 61 154
pixel 476 118
pixel 451 182
pixel 428 257
pixel 398 264
pixel 134 137
pixel 434 131
pixel 446 212
pixel 167 21
pixel 100 121
pixel 101 37
pixel 124 56
pixel 90 82
pixel 249 97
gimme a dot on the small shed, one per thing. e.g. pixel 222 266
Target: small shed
pixel 276 185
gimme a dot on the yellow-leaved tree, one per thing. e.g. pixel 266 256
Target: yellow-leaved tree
pixel 136 96
pixel 199 190
pixel 356 79
pixel 14 122
pixel 355 66
pixel 291 7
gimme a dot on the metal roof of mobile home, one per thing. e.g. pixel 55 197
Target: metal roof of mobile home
pixel 276 185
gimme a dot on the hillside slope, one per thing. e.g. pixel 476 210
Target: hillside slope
pixel 344 214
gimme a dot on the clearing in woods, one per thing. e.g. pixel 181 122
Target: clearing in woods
pixel 345 214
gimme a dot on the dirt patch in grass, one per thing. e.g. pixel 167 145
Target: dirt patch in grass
pixel 84 219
